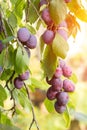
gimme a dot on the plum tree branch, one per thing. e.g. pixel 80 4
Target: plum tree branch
pixel 33 114
pixel 11 93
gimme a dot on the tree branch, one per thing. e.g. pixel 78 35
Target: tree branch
pixel 11 93
pixel 33 114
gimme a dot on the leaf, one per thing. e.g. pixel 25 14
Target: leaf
pixel 72 24
pixel 76 7
pixel 32 10
pixel 60 10
pixel 8 39
pixel 8 28
pixel 8 127
pixel 74 78
pixel 12 20
pixel 3 95
pixel 31 29
pixel 38 83
pixel 42 46
pixel 67 118
pixel 19 6
pixel 6 74
pixel 49 105
pixel 21 61
pixel 49 62
pixel 60 46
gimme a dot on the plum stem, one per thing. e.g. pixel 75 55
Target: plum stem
pixel 32 109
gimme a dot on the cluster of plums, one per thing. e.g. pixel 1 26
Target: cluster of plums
pixel 29 41
pixel 49 33
pixel 61 85
pixel 19 81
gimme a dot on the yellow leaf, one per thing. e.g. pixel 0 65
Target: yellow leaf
pixel 60 46
pixel 58 10
pixel 77 8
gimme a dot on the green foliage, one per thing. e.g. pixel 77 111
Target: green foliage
pixel 3 95
pixel 60 10
pixel 49 62
pixel 21 60
pixel 60 46
pixel 31 10
pixel 12 20
pixel 49 105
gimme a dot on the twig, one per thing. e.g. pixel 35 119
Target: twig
pixel 33 114
pixel 11 93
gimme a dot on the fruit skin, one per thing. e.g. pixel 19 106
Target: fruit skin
pixel 1 46
pixel 42 2
pixel 63 33
pixel 67 1
pixel 23 34
pixel 68 85
pixel 57 84
pixel 18 83
pixel 61 63
pixel 51 95
pixel 24 76
pixel 62 98
pixel 46 16
pixel 67 72
pixel 32 42
pixel 48 36
pixel 59 109
pixel 58 73
pixel 63 24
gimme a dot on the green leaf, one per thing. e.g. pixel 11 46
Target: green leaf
pixel 38 24
pixel 7 127
pixel 60 10
pixel 31 11
pixel 49 62
pixel 38 83
pixel 49 105
pixel 3 95
pixel 19 6
pixel 74 78
pixel 31 29
pixel 60 46
pixel 8 39
pixel 67 118
pixel 42 46
pixel 12 20
pixel 6 74
pixel 8 28
pixel 21 61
